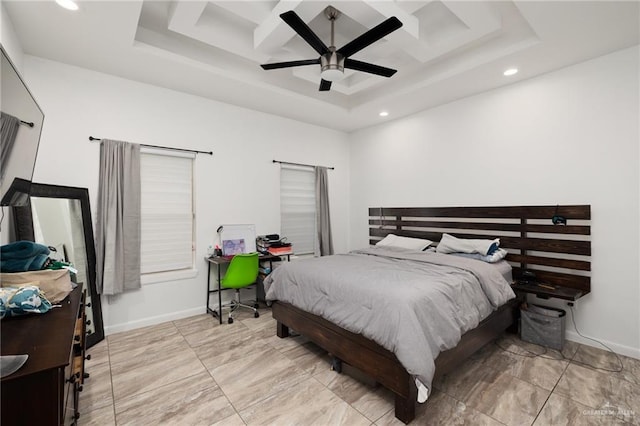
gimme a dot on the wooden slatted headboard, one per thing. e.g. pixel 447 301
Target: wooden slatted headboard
pixel 559 255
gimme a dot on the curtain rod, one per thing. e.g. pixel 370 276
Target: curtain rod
pixel 91 138
pixel 27 123
pixel 299 164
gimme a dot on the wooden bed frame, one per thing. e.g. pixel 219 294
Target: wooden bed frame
pixel 559 255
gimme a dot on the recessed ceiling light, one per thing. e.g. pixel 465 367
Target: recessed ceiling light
pixel 68 4
pixel 383 114
pixel 511 71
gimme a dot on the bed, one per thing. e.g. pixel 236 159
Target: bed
pixel 407 369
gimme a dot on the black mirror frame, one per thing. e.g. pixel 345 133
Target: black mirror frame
pixel 23 221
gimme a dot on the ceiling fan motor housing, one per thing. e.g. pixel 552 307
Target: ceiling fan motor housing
pixel 332 65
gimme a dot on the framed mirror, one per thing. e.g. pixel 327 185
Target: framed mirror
pixel 60 217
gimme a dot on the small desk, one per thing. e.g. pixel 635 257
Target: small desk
pixel 221 261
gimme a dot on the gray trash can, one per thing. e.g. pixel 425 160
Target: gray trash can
pixel 542 325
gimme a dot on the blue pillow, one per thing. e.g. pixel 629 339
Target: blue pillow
pixel 493 248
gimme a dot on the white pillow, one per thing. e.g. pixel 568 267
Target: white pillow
pixel 497 256
pixel 392 240
pixel 451 244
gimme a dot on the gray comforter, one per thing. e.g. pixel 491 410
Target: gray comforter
pixel 415 304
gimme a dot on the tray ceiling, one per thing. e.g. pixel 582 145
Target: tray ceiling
pixel 445 50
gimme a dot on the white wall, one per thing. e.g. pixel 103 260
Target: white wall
pixel 12 46
pixel 567 137
pixel 10 40
pixel 239 184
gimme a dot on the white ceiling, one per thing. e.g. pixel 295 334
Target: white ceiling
pixel 445 50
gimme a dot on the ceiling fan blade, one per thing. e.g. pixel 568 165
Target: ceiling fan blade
pixel 290 64
pixel 304 31
pixel 371 36
pixel 325 85
pixel 367 67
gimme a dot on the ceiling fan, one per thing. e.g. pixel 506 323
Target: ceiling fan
pixel 332 61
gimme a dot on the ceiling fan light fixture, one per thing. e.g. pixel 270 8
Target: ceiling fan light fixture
pixel 332 74
pixel 332 66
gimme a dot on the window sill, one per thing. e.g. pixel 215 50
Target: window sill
pixel 161 277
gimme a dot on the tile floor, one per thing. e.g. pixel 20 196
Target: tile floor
pixel 195 371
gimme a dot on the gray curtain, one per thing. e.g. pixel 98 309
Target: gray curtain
pixel 8 131
pixel 324 244
pixel 118 222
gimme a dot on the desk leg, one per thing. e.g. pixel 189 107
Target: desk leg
pixel 208 287
pixel 257 285
pixel 219 297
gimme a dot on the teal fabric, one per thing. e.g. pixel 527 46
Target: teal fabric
pixel 22 301
pixel 242 271
pixel 22 256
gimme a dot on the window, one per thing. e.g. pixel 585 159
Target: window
pixel 298 207
pixel 167 215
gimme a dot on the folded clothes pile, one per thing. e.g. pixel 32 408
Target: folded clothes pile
pixel 23 256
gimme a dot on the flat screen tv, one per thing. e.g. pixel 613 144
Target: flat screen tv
pixel 21 126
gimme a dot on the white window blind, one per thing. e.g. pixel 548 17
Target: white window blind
pixel 166 212
pixel 298 208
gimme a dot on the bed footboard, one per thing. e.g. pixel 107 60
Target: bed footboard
pixel 355 350
pixel 379 363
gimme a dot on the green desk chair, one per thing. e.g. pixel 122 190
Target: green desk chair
pixel 241 273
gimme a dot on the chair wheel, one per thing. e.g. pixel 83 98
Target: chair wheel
pixel 256 314
pixel 230 320
pixel 255 305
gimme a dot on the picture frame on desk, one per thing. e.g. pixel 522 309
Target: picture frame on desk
pixel 231 247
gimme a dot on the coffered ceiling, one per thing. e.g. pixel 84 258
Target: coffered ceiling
pixel 444 51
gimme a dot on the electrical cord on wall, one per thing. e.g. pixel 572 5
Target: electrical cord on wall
pixel 531 354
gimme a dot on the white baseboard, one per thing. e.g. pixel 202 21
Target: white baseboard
pixel 171 316
pixel 617 348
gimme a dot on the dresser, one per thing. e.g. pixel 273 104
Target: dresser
pixel 45 389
